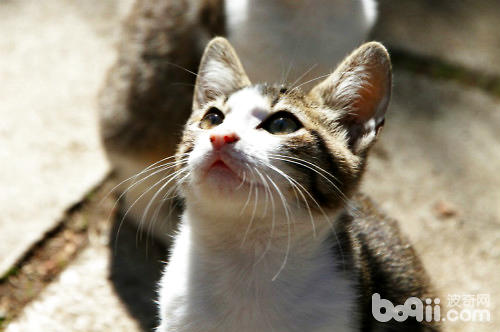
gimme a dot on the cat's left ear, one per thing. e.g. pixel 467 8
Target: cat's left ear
pixel 360 89
pixel 220 73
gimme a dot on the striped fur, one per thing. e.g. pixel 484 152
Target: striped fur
pixel 279 239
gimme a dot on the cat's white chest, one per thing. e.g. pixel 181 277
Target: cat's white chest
pixel 225 293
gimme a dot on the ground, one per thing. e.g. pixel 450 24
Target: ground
pixel 64 265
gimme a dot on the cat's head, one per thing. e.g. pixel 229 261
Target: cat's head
pixel 246 146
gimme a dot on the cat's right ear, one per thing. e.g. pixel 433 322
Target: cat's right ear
pixel 359 90
pixel 220 73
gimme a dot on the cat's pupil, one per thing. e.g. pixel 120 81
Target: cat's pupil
pixel 281 123
pixel 212 118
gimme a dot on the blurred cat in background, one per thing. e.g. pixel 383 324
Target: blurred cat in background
pixel 147 96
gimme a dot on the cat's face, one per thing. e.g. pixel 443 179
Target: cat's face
pixel 247 147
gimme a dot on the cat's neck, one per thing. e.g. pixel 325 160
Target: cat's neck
pixel 258 234
pixel 282 39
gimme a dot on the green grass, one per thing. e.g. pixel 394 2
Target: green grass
pixel 11 272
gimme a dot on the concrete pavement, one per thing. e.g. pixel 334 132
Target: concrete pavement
pixel 435 168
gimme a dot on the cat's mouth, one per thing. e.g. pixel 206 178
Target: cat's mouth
pixel 221 170
pixel 220 164
pixel 225 173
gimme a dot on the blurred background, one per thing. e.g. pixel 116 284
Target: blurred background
pixel 63 264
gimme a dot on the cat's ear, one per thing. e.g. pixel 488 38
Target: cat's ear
pixel 360 89
pixel 220 73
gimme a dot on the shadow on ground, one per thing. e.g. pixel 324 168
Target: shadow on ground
pixel 135 269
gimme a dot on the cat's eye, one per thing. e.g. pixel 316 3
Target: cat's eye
pixel 281 123
pixel 212 118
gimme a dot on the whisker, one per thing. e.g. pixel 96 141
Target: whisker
pixel 332 227
pixel 267 197
pixel 135 202
pixel 242 181
pixel 156 213
pixel 273 222
pixel 178 66
pixel 285 206
pixel 304 74
pixel 305 164
pixel 162 168
pixel 151 201
pixel 317 170
pixel 296 189
pixel 314 79
pixel 166 197
pixel 133 177
pixel 153 198
pixel 248 198
pixel 253 214
pixel 172 206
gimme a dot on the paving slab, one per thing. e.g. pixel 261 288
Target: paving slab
pixel 110 286
pixel 82 299
pixel 461 32
pixel 436 170
pixel 53 55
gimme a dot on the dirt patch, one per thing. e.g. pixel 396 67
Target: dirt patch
pixel 48 258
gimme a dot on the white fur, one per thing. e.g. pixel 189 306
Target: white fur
pixel 283 39
pixel 203 291
pixel 236 11
pixel 239 265
pixel 370 11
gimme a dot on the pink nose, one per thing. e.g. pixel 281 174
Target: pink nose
pixel 219 140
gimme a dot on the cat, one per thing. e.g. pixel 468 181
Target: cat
pixel 147 94
pixel 274 235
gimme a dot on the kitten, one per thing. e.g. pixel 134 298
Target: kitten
pixel 147 96
pixel 274 236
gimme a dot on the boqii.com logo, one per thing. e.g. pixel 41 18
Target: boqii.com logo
pixel 461 307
